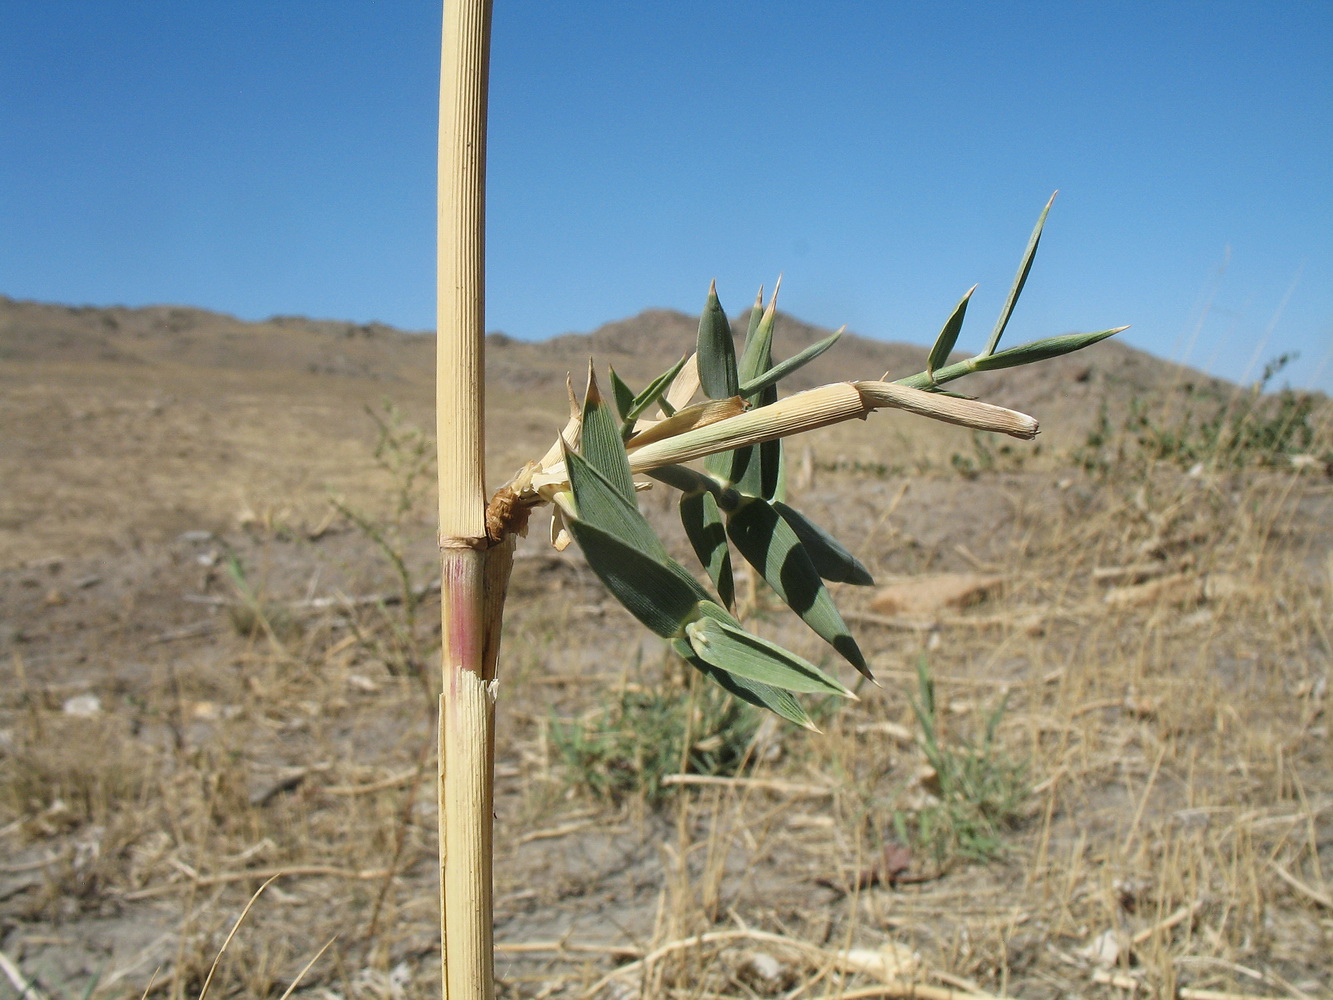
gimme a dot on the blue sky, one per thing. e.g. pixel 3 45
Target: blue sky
pixel 278 158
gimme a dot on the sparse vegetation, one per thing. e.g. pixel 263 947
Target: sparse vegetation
pixel 405 454
pixel 975 791
pixel 626 747
pixel 1244 428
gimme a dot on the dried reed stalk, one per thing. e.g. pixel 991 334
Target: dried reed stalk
pixel 473 571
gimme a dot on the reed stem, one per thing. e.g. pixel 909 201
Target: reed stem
pixel 473 570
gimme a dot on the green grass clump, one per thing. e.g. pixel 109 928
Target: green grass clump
pixel 626 748
pixel 977 791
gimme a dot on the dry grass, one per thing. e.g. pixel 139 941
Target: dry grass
pixel 1177 834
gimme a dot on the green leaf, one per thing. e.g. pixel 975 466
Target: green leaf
pixel 598 502
pixel 772 546
pixel 779 702
pixel 939 354
pixel 758 353
pixel 757 470
pixel 663 596
pixel 624 395
pixel 703 525
pixel 652 394
pixel 831 560
pixel 1019 280
pixel 784 368
pixel 602 445
pixel 1041 350
pixel 729 647
pixel 719 466
pixel 1038 350
pixel 717 351
pixel 757 311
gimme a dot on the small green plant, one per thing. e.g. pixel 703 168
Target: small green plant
pixel 977 791
pixel 981 460
pixel 252 614
pixel 629 746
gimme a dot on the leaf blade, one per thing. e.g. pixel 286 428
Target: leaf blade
pixel 741 654
pixel 772 547
pixel 1020 279
pixel 784 368
pixel 662 596
pixel 623 394
pixel 602 444
pixel 640 403
pixel 702 520
pixel 1042 350
pixel 831 558
pixel 939 354
pixel 599 502
pixel 780 703
pixel 716 350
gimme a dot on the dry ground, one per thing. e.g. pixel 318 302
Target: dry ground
pixel 172 732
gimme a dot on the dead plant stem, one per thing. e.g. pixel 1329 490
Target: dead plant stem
pixel 469 563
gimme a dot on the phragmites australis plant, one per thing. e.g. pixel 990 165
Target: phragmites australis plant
pixel 717 407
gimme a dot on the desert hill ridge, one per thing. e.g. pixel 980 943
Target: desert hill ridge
pixel 638 346
pixel 121 425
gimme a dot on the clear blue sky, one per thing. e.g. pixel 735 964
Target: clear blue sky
pixel 266 158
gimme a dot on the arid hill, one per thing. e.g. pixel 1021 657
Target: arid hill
pixel 124 424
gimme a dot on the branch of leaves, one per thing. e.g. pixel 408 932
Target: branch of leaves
pixel 738 498
pixel 938 371
pixel 601 513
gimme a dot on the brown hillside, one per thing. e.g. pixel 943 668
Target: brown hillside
pixel 129 424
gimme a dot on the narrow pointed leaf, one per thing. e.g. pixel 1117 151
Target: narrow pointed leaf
pixel 602 444
pixel 741 654
pixel 653 394
pixel 757 471
pixel 598 502
pixel 939 354
pixel 720 465
pixel 1042 350
pixel 1038 350
pixel 623 394
pixel 1019 280
pixel 830 558
pixel 703 525
pixel 717 351
pixel 756 313
pixel 780 703
pixel 784 368
pixel 664 597
pixel 758 353
pixel 772 547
